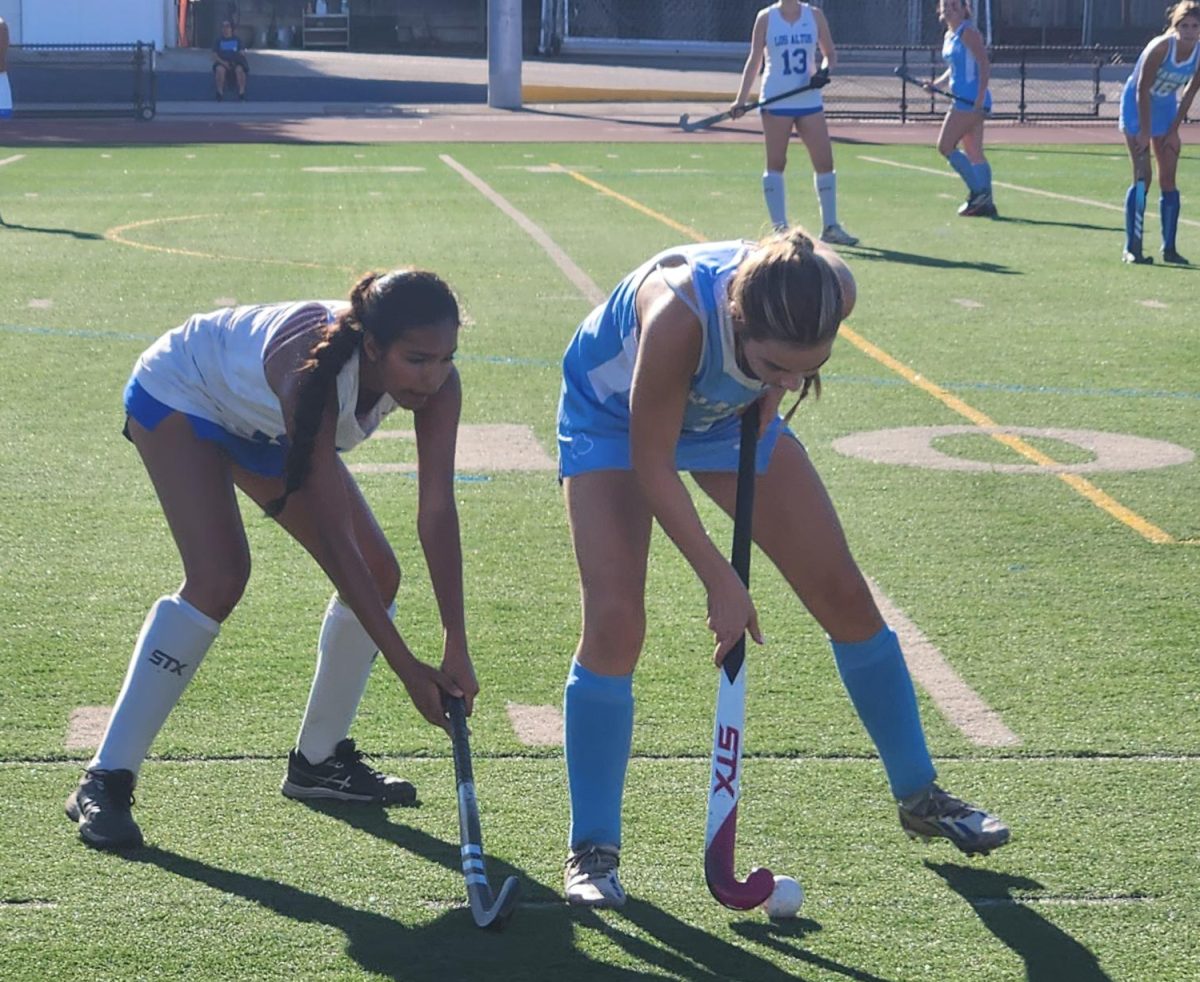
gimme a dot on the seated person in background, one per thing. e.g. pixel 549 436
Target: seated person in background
pixel 228 60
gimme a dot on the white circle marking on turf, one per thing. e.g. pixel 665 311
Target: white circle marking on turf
pixel 1154 304
pixel 912 446
pixel 969 304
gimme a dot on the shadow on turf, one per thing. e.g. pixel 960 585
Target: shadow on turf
pixel 935 262
pixel 51 231
pixel 544 935
pixel 1049 953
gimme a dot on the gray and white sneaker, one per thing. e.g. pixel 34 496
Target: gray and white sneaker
pixel 591 877
pixel 836 235
pixel 344 776
pixel 933 813
pixel 100 805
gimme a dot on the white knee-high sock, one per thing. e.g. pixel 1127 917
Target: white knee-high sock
pixel 826 185
pixel 345 653
pixel 775 195
pixel 169 649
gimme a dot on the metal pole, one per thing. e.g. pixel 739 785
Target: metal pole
pixel 504 54
pixel 988 14
pixel 1085 34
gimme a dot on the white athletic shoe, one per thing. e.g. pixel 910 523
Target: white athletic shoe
pixel 591 877
pixel 836 235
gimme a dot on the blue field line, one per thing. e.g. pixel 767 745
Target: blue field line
pixel 872 380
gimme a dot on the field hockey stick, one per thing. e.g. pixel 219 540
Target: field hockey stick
pixel 901 73
pixel 489 910
pixel 725 777
pixel 818 81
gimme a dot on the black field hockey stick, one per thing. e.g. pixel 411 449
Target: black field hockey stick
pixel 725 776
pixel 489 910
pixel 928 87
pixel 818 81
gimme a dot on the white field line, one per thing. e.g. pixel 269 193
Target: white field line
pixel 1107 206
pixel 584 283
pixel 700 757
pixel 962 706
pixel 13 159
pixel 957 701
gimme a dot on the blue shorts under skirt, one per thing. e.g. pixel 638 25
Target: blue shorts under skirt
pixel 1162 113
pixel 259 457
pixel 580 452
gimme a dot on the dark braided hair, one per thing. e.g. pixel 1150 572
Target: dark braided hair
pixel 384 306
pixel 786 291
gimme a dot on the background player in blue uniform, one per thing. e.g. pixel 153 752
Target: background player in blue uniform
pixel 791 37
pixel 1151 112
pixel 304 379
pixel 967 73
pixel 653 383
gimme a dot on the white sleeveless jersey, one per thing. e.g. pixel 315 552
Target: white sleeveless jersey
pixel 212 367
pixel 792 56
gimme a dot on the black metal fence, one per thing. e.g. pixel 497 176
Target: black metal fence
pixel 1027 83
pixel 83 80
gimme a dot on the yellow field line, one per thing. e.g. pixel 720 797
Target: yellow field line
pixel 1101 499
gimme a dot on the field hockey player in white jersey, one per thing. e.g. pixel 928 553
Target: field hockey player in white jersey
pixel 795 42
pixel 263 398
pixel 1151 111
pixel 654 382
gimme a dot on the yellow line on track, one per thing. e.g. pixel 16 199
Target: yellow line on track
pixel 1101 499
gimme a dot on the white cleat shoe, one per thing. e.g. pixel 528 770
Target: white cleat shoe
pixel 836 235
pixel 591 877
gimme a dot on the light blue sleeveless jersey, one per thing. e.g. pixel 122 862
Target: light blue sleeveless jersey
pixel 593 410
pixel 964 69
pixel 1164 90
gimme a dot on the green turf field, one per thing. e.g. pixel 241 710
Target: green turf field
pixel 1068 605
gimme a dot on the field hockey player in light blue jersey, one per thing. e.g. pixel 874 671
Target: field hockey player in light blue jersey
pixel 795 42
pixel 654 382
pixel 263 398
pixel 6 104
pixel 968 70
pixel 1151 111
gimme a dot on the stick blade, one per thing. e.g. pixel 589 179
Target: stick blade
pixel 683 121
pixel 494 913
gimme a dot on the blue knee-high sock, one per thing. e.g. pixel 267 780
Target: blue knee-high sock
pixel 598 720
pixel 881 689
pixel 966 170
pixel 1135 211
pixel 1168 207
pixel 983 175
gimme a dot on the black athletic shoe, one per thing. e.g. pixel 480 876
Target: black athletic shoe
pixel 1136 258
pixel 101 806
pixel 1171 256
pixel 344 777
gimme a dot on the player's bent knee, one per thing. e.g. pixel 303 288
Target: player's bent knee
pixel 615 628
pixel 215 590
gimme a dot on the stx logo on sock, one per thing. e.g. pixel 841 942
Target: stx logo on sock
pixel 163 660
pixel 727 739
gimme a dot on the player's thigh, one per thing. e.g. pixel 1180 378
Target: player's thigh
pixel 194 484
pixel 610 531
pixel 304 526
pixel 954 126
pixel 1166 151
pixel 777 131
pixel 797 527
pixel 814 132
pixel 972 140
